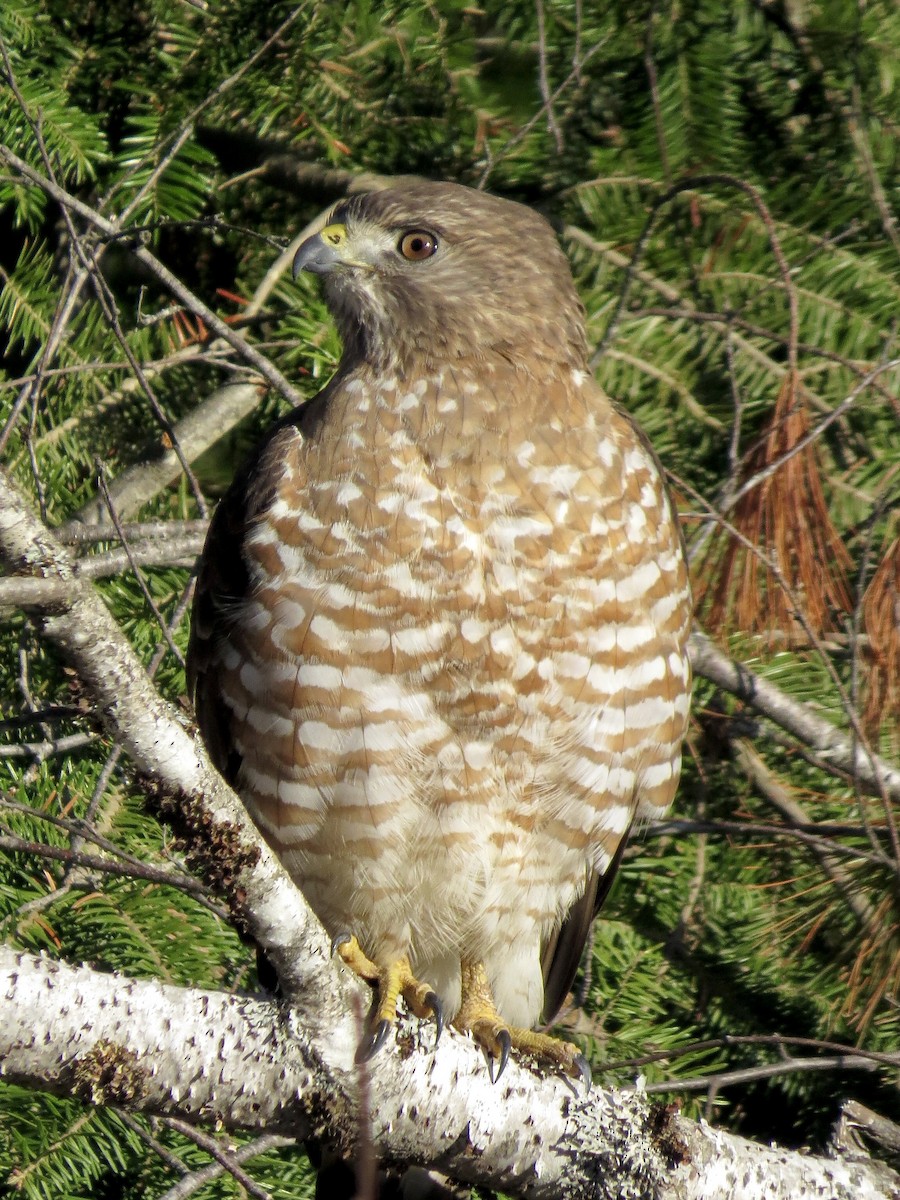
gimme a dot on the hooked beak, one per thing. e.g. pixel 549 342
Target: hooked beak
pixel 322 252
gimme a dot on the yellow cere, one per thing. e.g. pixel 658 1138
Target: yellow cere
pixel 334 235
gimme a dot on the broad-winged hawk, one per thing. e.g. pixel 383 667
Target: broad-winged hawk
pixel 439 642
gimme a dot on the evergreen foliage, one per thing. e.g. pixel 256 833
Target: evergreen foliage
pixel 724 177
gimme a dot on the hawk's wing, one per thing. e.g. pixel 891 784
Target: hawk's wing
pixel 223 580
pixel 563 953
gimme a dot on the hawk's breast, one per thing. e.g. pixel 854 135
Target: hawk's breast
pixel 461 667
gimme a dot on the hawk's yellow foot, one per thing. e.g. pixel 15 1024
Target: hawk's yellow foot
pixel 478 1015
pixel 391 982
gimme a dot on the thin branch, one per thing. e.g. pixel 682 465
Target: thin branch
pixel 819 836
pixel 49 747
pixel 776 794
pixel 776 1040
pixel 85 833
pixel 74 283
pixel 666 290
pixel 177 139
pixel 544 77
pixel 694 184
pixel 24 592
pixel 816 432
pixel 573 75
pixel 653 81
pixel 834 748
pixel 135 568
pixel 172 1161
pixel 195 1180
pixel 730 320
pixel 712 1084
pixel 149 531
pixel 106 866
pixel 195 433
pixel 227 1160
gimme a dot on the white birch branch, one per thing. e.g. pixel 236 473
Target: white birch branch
pixel 248 1064
pixel 196 432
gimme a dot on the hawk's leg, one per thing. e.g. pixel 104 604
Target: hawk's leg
pixel 391 982
pixel 478 1015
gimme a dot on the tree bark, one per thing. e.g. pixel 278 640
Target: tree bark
pixel 247 1063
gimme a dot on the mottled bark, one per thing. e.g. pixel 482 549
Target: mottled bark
pixel 247 1063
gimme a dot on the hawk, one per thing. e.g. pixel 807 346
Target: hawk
pixel 439 644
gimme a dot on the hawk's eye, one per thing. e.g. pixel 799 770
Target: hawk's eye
pixel 417 244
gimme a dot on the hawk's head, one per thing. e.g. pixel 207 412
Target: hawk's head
pixel 437 272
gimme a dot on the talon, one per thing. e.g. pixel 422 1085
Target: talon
pixel 504 1040
pixel 370 1046
pixel 340 939
pixel 391 981
pixel 489 1059
pixel 478 1015
pixel 433 1001
pixel 583 1067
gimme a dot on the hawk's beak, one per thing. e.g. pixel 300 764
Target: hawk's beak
pixel 322 252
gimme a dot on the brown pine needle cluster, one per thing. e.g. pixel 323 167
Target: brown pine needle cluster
pixel 789 564
pixel 874 974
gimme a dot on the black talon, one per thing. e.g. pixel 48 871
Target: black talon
pixel 370 1046
pixel 489 1059
pixel 340 939
pixel 433 1001
pixel 505 1041
pixel 584 1070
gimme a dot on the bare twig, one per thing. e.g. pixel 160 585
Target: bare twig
pixel 544 78
pixel 816 432
pixel 170 532
pixel 508 147
pixel 186 130
pixel 713 1084
pixel 135 568
pixel 226 1159
pixel 74 283
pixel 653 81
pixel 193 1181
pixel 106 866
pixel 778 1041
pixel 693 184
pixel 833 747
pixel 24 592
pixel 822 836
pixel 730 320
pixel 793 812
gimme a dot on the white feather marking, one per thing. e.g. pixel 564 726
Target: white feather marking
pixel 320 736
pixel 319 675
pixel 334 635
pixel 656 775
pixel 265 720
pixel 637 583
pixel 610 680
pixel 478 755
pixel 473 630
